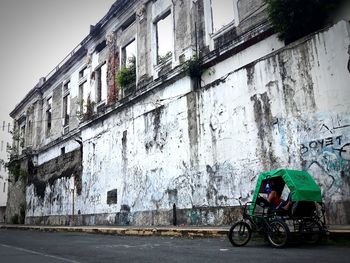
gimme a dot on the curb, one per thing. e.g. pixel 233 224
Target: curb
pixel 130 231
pixel 189 232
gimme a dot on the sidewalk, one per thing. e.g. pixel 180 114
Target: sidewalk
pixel 186 231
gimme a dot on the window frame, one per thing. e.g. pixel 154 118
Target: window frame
pixel 98 84
pixel 48 116
pixel 215 32
pixel 166 13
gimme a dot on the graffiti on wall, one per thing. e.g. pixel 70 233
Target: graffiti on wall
pixel 328 158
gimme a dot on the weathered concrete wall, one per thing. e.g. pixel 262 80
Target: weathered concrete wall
pixel 202 149
pixel 50 184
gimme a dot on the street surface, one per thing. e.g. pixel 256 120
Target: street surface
pixel 29 246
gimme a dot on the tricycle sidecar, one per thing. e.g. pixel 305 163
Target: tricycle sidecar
pixel 304 220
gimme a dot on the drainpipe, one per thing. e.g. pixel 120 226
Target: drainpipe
pixel 174 215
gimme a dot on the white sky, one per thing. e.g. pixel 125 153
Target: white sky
pixel 35 36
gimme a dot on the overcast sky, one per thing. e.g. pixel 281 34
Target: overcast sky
pixel 35 36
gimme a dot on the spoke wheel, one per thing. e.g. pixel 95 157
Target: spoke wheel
pixel 278 233
pixel 240 234
pixel 311 231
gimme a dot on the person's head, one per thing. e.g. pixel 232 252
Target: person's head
pixel 268 188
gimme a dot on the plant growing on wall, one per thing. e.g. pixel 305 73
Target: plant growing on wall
pixel 195 69
pixel 293 19
pixel 15 171
pixel 17 140
pixel 87 109
pixel 127 75
pixel 90 107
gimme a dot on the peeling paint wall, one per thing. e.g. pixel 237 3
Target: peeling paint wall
pixel 202 149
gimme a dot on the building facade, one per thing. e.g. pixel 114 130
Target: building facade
pixel 5 140
pixel 174 107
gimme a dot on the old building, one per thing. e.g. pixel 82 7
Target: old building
pixel 5 140
pixel 180 104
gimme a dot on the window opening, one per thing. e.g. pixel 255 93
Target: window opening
pixel 222 13
pixel 101 76
pixel 129 22
pixel 66 86
pixel 129 54
pixel 100 46
pixel 22 134
pixel 66 109
pixel 83 95
pixel 83 72
pixel 48 116
pixel 164 33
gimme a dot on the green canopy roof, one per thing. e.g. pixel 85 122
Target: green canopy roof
pixel 300 183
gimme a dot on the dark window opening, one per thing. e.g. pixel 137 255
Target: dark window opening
pixel 66 109
pixel 100 46
pixel 63 150
pixel 129 22
pixel 66 86
pixel 83 72
pixel 48 116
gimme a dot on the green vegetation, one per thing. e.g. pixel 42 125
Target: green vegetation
pixel 87 109
pixel 164 58
pixel 127 75
pixel 194 68
pixel 16 172
pixel 293 19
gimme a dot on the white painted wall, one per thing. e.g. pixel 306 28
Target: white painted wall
pixel 5 137
pixel 55 151
pixel 211 145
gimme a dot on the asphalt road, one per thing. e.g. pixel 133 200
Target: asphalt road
pixel 29 246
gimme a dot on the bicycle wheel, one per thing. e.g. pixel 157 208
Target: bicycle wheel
pixel 311 231
pixel 240 234
pixel 278 233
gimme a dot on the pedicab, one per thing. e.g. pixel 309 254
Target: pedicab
pixel 303 221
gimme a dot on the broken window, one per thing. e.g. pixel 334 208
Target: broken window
pixel 164 36
pixel 222 13
pixel 66 109
pixel 101 83
pixel 127 75
pixel 48 116
pixel 83 95
pixel 129 54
